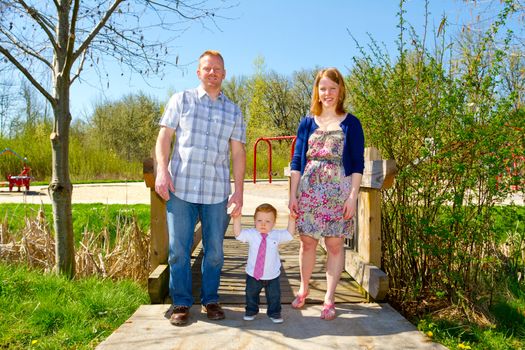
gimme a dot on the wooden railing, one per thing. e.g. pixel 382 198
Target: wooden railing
pixel 158 280
pixel 363 261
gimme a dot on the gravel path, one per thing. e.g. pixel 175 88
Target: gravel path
pixel 124 193
pixel 275 193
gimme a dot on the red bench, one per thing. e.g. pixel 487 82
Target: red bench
pixel 24 179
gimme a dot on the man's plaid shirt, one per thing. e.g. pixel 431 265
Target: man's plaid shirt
pixel 200 162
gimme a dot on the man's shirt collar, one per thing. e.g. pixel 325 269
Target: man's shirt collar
pixel 201 93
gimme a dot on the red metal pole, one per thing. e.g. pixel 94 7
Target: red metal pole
pixel 267 140
pixel 255 159
pixel 269 162
pixel 292 148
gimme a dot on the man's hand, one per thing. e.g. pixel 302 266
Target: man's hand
pixel 235 199
pixel 164 184
pixel 163 181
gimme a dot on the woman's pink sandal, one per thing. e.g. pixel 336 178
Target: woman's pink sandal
pixel 299 301
pixel 328 312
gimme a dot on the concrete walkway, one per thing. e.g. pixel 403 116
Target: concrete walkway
pixel 368 326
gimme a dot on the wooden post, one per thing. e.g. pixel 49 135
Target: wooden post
pixel 159 229
pixel 158 279
pixel 369 230
pixel 364 264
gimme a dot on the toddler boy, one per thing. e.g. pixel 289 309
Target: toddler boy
pixel 264 263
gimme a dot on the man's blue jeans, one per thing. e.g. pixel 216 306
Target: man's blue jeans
pixel 182 217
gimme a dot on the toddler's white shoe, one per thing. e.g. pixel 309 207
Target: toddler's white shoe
pixel 277 319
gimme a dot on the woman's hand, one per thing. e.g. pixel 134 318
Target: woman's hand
pixel 293 206
pixel 349 208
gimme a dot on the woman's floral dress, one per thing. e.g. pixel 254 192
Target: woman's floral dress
pixel 323 188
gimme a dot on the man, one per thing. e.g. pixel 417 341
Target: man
pixel 196 182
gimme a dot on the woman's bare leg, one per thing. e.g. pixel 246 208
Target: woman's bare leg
pixel 334 266
pixel 307 256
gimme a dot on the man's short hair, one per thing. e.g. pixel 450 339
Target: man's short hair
pixel 212 53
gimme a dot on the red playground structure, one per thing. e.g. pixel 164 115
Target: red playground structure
pixel 21 180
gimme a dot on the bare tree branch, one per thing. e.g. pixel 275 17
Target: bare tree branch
pixel 97 29
pixel 42 22
pixel 175 9
pixel 27 74
pixel 79 68
pixel 71 39
pixel 25 49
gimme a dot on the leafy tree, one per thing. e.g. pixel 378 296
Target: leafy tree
pixel 273 104
pixel 303 82
pixel 128 126
pixel 283 109
pixel 514 78
pixel 236 88
pixel 444 124
pixel 56 40
pixel 277 102
pixel 258 116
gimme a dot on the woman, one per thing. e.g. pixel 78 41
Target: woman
pixel 327 168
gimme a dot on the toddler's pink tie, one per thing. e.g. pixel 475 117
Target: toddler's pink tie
pixel 259 262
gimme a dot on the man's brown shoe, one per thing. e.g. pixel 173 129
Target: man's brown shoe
pixel 214 311
pixel 180 315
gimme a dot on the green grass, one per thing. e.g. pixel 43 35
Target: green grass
pixel 506 333
pixel 91 217
pixel 455 335
pixel 41 311
pixel 507 311
pixel 509 219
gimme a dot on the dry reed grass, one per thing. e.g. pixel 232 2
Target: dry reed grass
pixel 125 256
pixel 465 315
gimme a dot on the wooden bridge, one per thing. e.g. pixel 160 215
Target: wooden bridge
pixel 360 324
pixel 363 279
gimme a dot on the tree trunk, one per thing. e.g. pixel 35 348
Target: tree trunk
pixel 60 188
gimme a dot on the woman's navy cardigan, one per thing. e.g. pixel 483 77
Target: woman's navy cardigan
pixel 354 144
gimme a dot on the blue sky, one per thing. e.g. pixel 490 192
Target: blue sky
pixel 290 35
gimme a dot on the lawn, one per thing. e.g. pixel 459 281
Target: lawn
pixel 44 311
